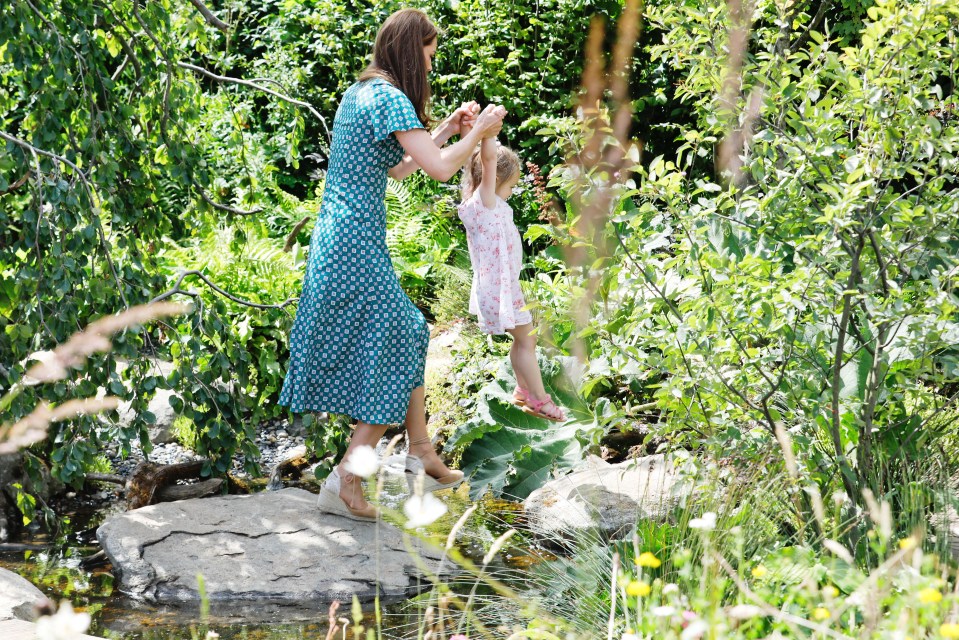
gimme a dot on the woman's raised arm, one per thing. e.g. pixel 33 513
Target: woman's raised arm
pixel 457 123
pixel 442 164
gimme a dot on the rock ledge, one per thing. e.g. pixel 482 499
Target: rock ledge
pixel 272 547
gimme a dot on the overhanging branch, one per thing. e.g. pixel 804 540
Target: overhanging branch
pixel 224 207
pixel 209 17
pixel 258 87
pixel 226 294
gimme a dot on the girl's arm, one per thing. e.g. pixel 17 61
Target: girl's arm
pixel 458 122
pixel 442 164
pixel 487 186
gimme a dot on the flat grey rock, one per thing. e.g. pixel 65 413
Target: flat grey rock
pixel 611 498
pixel 17 597
pixel 273 547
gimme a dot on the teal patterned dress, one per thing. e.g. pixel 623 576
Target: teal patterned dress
pixel 358 345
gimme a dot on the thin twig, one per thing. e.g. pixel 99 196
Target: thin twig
pixel 16 185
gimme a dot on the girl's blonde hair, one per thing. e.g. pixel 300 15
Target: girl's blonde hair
pixel 507 166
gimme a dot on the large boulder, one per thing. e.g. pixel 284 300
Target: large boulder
pixel 161 431
pixel 608 497
pixel 17 597
pixel 273 547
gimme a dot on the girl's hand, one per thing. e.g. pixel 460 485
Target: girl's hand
pixel 490 121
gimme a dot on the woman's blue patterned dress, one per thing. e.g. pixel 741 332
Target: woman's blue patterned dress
pixel 358 345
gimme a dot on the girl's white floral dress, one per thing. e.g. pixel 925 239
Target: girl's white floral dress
pixel 496 252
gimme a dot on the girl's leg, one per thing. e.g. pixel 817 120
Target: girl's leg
pixel 351 491
pixel 418 436
pixel 526 368
pixel 521 380
pixel 522 355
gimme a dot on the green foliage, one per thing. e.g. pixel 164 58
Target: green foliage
pixel 121 150
pixel 526 55
pixel 326 438
pixel 185 433
pixel 810 290
pixel 420 238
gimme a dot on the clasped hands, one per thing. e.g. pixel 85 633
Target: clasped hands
pixel 469 116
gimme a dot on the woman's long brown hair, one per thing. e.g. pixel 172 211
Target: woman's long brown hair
pixel 398 57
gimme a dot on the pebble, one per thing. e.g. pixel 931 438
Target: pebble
pixel 273 439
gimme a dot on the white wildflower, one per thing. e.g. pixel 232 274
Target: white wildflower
pixel 696 629
pixel 745 612
pixel 672 587
pixel 363 462
pixel 423 510
pixel 707 522
pixel 65 624
pixel 663 611
pixel 629 636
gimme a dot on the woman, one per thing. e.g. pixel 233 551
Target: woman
pixel 358 345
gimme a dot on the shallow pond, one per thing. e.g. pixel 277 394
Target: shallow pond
pixel 55 567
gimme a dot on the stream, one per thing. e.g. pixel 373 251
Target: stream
pixel 56 570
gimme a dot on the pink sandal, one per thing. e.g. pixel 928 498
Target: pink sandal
pixel 520 396
pixel 534 407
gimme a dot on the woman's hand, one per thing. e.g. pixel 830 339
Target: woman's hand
pixel 490 121
pixel 461 121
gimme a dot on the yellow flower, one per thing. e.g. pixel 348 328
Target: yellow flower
pixel 930 596
pixel 646 559
pixel 820 614
pixel 759 572
pixel 949 630
pixel 639 589
pixel 830 591
pixel 907 544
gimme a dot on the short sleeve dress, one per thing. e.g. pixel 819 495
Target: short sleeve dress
pixel 496 253
pixel 358 344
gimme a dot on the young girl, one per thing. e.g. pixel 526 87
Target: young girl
pixel 497 255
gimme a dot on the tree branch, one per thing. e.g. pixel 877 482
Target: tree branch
pixel 291 238
pixel 258 87
pixel 223 207
pixel 16 185
pixel 226 294
pixel 814 25
pixel 835 427
pixel 209 17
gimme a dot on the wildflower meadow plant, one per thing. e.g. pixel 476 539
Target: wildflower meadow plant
pixel 64 624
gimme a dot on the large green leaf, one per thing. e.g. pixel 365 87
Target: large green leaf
pixel 512 453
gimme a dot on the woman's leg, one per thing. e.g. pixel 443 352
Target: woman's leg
pixel 418 436
pixel 351 490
